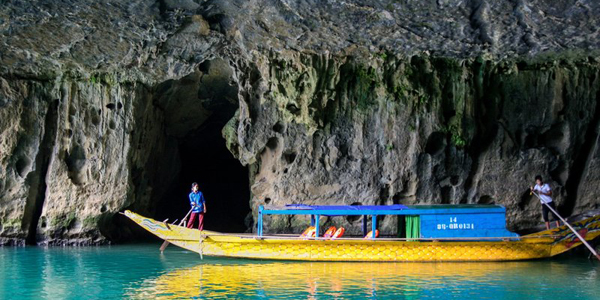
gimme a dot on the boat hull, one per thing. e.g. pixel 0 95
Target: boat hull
pixel 278 248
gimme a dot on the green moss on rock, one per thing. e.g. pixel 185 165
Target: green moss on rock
pixel 64 220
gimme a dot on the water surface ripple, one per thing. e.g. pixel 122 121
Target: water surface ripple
pixel 141 272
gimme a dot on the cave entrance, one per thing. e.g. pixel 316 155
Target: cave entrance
pixel 196 110
pixel 222 179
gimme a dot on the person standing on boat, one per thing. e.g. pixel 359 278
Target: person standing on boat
pixel 545 192
pixel 198 207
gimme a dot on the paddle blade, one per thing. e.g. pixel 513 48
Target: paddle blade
pixel 164 246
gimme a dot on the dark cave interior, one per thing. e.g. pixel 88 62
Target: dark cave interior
pixel 222 179
pixel 202 151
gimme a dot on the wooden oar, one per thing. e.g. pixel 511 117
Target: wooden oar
pixel 166 243
pixel 570 227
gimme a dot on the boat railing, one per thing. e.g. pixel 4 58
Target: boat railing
pixel 295 237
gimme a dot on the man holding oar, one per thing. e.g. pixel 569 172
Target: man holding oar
pixel 542 190
pixel 545 192
pixel 198 207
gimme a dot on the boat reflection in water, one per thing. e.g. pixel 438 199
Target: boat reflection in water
pixel 228 279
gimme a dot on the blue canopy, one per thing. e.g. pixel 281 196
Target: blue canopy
pixel 462 220
pixel 317 208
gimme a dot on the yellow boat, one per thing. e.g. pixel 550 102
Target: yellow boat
pixel 433 244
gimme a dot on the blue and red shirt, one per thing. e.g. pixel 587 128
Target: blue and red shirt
pixel 198 199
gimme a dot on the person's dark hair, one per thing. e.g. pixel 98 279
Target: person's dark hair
pixel 539 177
pixel 194 184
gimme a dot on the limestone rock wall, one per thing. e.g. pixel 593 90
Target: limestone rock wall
pixel 339 102
pixel 423 129
pixel 74 157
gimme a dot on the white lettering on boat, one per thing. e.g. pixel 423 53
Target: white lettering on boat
pixel 455 225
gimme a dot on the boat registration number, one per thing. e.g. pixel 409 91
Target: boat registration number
pixel 453 224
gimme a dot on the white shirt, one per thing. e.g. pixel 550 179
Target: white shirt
pixel 545 188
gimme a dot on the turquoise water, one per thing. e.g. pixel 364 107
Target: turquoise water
pixel 141 272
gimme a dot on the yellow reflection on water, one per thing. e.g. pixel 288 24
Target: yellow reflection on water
pixel 339 280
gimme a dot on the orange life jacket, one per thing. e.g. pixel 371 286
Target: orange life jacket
pixel 338 233
pixel 309 232
pixel 330 231
pixel 370 234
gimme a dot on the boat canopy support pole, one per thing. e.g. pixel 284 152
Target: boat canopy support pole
pixel 260 221
pixel 364 225
pixel 317 225
pixel 373 225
